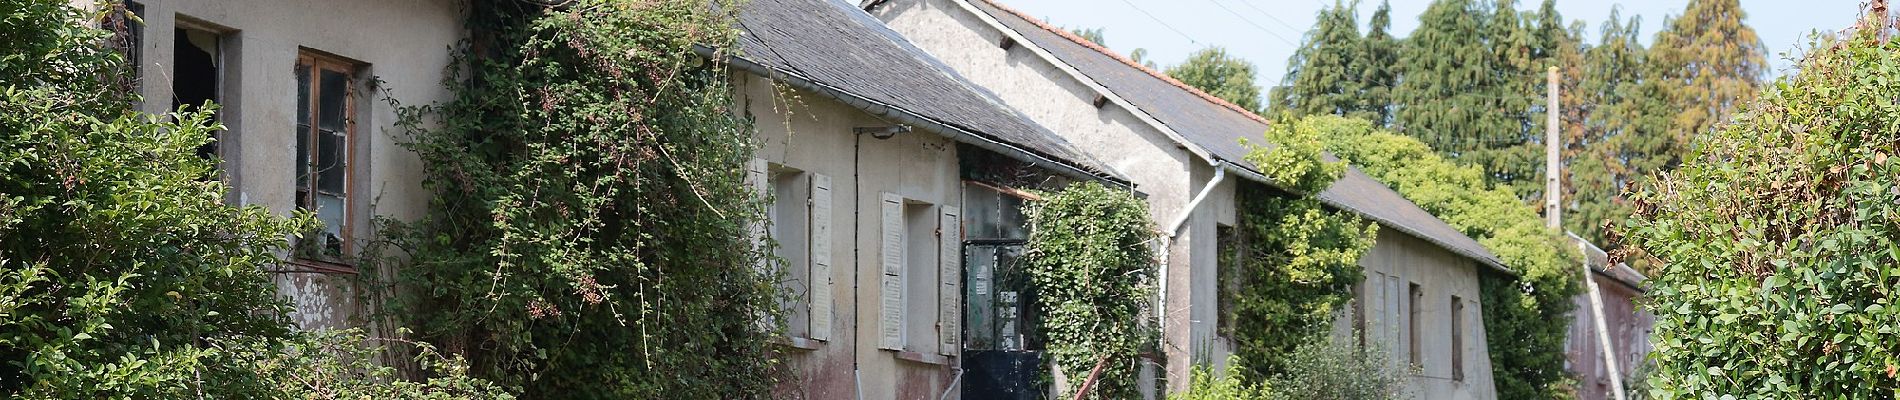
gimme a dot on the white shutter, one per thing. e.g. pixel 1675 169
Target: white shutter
pixel 950 275
pixel 891 329
pixel 820 241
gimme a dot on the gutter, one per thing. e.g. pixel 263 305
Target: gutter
pixel 907 117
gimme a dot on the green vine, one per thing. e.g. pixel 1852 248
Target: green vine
pixel 1297 258
pixel 589 231
pixel 1091 263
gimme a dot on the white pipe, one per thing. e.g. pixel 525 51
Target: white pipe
pixel 1603 327
pixel 1167 242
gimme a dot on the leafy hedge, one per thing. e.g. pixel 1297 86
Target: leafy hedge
pixel 1780 237
pixel 1091 261
pixel 1526 319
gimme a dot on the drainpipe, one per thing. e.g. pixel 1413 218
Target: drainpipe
pixel 1167 240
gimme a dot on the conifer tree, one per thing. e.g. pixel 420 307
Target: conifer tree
pixel 1377 65
pixel 1322 76
pixel 1705 62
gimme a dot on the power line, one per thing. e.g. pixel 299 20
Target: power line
pixel 1250 22
pixel 1276 19
pixel 1184 35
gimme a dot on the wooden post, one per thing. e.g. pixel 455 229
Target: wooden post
pixel 1093 375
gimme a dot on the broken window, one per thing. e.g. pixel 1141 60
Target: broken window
pixel 195 65
pixel 324 132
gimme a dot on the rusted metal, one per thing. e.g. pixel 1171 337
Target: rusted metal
pixel 1093 375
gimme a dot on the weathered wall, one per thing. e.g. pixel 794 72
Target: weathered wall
pixel 1168 174
pixel 404 44
pixel 1392 313
pixel 813 134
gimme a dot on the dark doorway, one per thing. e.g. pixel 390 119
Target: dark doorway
pixel 195 75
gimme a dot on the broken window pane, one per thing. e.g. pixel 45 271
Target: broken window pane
pixel 330 102
pixel 330 168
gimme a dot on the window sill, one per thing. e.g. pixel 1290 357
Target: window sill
pixel 800 343
pixel 309 266
pixel 925 358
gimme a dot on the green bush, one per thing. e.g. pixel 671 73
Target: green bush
pixel 1091 262
pixel 122 272
pixel 1333 370
pixel 1780 238
pixel 1206 384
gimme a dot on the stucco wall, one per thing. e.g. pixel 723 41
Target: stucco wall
pixel 1168 174
pixel 1391 314
pixel 403 43
pixel 813 134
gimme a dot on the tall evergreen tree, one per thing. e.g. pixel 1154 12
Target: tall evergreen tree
pixel 1446 99
pixel 1322 76
pixel 1618 114
pixel 1377 65
pixel 1214 71
pixel 1705 62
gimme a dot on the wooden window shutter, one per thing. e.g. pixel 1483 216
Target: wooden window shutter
pixel 820 245
pixel 950 275
pixel 891 256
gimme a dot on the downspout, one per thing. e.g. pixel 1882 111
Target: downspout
pixel 1167 242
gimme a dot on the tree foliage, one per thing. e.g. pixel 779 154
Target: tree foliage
pixel 589 231
pixel 1091 261
pixel 123 274
pixel 1224 76
pixel 1297 258
pixel 1780 233
pixel 1324 76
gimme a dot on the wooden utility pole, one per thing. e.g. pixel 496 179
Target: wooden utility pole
pixel 1552 189
pixel 1553 199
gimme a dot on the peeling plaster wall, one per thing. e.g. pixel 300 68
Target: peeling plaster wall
pixel 1397 261
pixel 403 43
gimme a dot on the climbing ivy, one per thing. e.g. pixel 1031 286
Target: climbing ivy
pixel 1091 262
pixel 1298 259
pixel 589 231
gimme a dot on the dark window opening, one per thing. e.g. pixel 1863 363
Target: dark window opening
pixel 1457 339
pixel 1415 318
pixel 195 76
pixel 1226 274
pixel 128 39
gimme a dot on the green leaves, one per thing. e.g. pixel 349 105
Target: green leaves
pixel 1092 266
pixel 1777 233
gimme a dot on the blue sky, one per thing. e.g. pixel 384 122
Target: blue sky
pixel 1266 32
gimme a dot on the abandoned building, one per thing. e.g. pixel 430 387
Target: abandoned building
pixel 1183 149
pixel 899 159
pixel 1619 289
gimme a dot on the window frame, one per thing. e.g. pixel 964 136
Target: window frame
pixel 313 63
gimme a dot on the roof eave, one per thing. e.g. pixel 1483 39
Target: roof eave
pixel 901 115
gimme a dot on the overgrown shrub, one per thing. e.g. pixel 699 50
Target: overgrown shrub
pixel 589 231
pixel 1299 258
pixel 122 272
pixel 1331 369
pixel 1091 262
pixel 1780 237
pixel 1206 384
pixel 1526 318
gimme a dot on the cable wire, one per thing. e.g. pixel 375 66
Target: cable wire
pixel 1164 24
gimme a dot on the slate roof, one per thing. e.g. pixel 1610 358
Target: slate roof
pixel 835 46
pixel 1218 126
